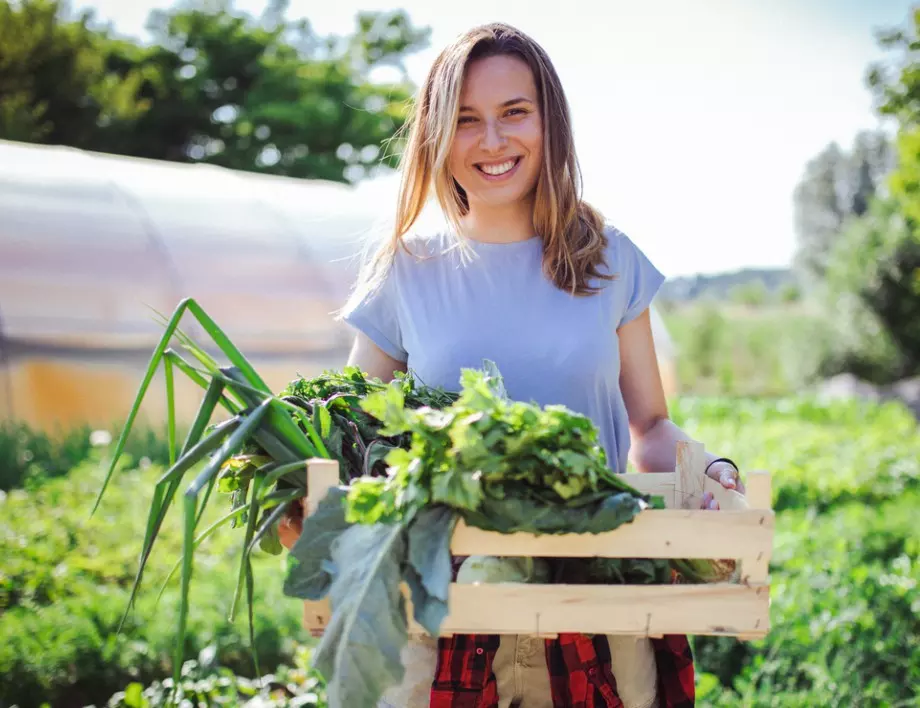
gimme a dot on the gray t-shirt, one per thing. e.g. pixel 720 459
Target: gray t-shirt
pixel 440 315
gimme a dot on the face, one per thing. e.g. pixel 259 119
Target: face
pixel 498 147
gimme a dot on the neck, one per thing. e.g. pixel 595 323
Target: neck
pixel 505 224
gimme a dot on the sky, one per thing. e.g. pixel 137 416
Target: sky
pixel 693 120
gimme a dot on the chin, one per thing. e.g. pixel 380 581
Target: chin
pixel 499 197
pixel 496 201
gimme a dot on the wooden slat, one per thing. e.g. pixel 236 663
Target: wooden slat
pixel 723 609
pixel 656 483
pixel 688 479
pixel 662 484
pixel 655 533
pixel 512 608
pixel 321 476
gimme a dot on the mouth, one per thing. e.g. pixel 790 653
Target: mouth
pixel 494 171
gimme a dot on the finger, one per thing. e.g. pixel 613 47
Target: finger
pixel 727 478
pixel 289 531
pixel 706 500
pixel 714 505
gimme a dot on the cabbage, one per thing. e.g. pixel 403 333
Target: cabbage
pixel 496 569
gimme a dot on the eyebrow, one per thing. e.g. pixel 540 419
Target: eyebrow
pixel 519 99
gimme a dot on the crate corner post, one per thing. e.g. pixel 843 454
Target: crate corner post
pixel 322 475
pixel 689 478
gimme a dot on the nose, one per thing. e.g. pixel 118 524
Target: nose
pixel 492 138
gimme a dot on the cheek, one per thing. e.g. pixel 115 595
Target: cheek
pixel 458 154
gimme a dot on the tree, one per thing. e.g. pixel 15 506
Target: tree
pixel 57 82
pixel 872 270
pixel 873 284
pixel 261 94
pixel 837 187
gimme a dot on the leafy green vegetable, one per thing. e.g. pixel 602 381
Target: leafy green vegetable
pixel 309 575
pixel 359 655
pixel 497 569
pixel 428 572
pixel 512 515
pixel 505 465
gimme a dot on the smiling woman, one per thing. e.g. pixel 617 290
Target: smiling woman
pixel 528 276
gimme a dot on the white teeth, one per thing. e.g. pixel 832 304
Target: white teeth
pixel 496 170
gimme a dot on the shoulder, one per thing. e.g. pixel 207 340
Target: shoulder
pixel 425 245
pixel 421 252
pixel 619 245
pixel 624 256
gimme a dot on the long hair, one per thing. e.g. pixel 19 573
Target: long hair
pixel 571 230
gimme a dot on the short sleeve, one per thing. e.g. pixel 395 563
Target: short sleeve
pixel 641 279
pixel 377 316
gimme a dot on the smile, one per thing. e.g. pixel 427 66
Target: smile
pixel 499 169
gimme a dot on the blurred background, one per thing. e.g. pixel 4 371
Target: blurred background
pixel 765 155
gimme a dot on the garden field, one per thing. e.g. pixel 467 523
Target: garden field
pixel 845 600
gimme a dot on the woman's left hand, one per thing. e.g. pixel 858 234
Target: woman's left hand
pixel 727 476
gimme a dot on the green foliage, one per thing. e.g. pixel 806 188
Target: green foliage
pixel 494 460
pixel 844 609
pixel 753 294
pixel 857 226
pixel 837 187
pixel 28 456
pixel 217 86
pixel 66 580
pixel 60 78
pixel 205 683
pixel 769 351
pixel 822 455
pixel 873 290
pixel 844 613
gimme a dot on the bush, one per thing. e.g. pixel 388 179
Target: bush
pixel 30 457
pixel 821 454
pixel 769 351
pixel 67 578
pixel 845 613
pixel 26 453
pixel 873 296
pixel 204 683
pixel 845 579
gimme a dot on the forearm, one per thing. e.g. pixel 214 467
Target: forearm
pixel 655 449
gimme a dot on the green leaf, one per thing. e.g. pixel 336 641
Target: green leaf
pixel 459 488
pixel 322 421
pixel 171 326
pixel 372 500
pixel 512 515
pixel 359 654
pixel 134 696
pixel 308 575
pixel 429 571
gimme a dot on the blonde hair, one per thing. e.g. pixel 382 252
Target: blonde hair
pixel 572 231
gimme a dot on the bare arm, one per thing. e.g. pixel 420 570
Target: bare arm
pixel 654 435
pixel 372 360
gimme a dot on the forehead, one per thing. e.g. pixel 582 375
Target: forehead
pixel 493 80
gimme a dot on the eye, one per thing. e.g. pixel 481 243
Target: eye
pixel 464 120
pixel 516 111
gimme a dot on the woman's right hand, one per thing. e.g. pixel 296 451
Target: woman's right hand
pixel 291 524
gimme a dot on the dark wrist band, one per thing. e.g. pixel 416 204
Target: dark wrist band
pixel 722 459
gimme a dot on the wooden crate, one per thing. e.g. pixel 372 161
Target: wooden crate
pixel 742 529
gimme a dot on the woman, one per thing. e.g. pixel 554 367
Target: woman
pixel 529 276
